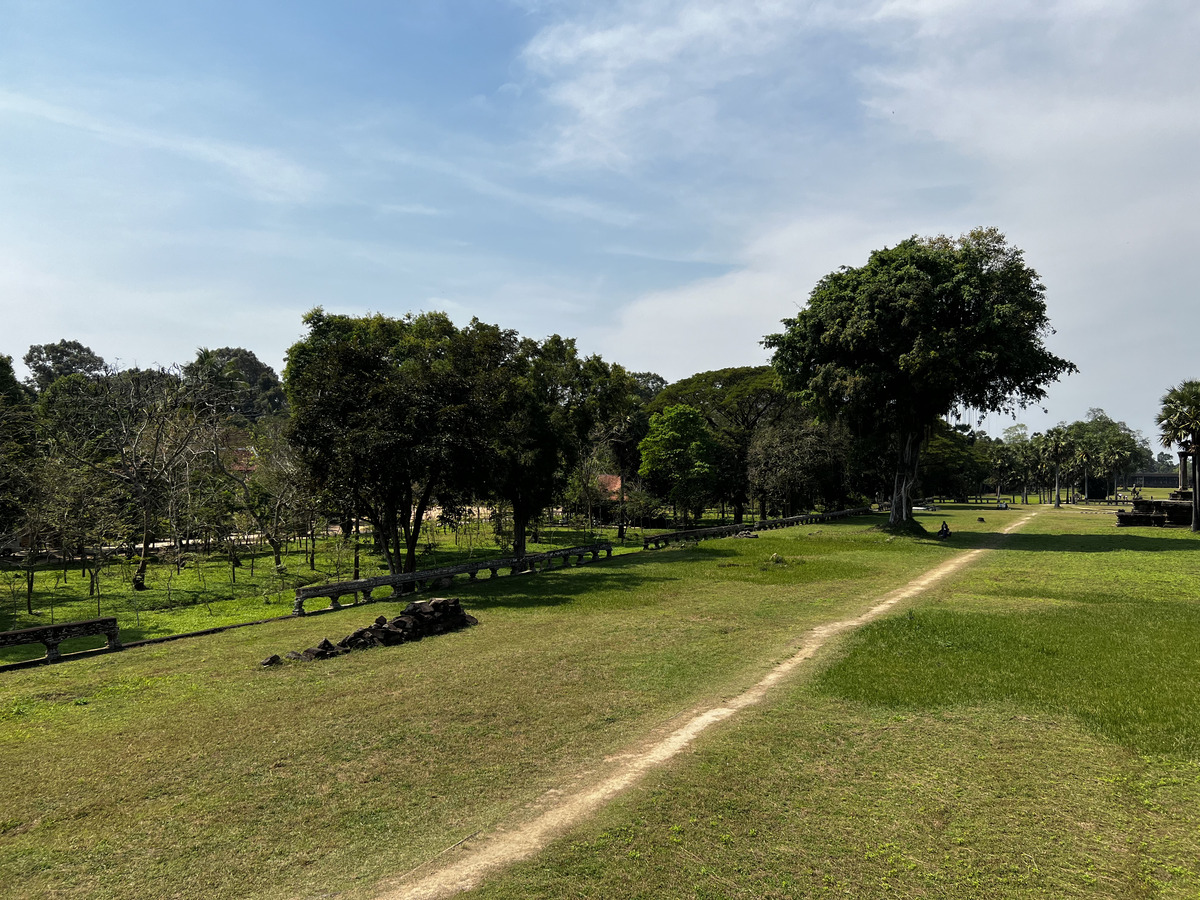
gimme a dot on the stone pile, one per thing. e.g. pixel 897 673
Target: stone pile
pixel 419 619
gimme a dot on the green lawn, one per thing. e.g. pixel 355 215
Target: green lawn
pixel 923 756
pixel 1029 728
pixel 207 592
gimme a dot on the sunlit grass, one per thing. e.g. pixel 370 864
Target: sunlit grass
pixel 902 768
pixel 185 768
pixel 1030 730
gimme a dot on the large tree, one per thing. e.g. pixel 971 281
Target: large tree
pixel 17 449
pixel 922 329
pixel 139 428
pixel 734 403
pixel 797 463
pixel 551 400
pixel 388 414
pixel 679 458
pixel 251 387
pixel 49 362
pixel 1179 425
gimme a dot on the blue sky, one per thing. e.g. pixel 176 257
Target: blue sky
pixel 662 180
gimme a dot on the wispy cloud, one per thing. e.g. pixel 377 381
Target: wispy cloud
pixel 268 173
pixel 469 174
pixel 664 75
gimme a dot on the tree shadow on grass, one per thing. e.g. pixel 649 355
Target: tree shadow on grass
pixel 1120 539
pixel 625 574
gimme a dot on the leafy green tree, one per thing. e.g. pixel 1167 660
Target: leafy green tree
pixel 679 458
pixel 923 328
pixel 17 448
pixel 797 463
pixel 734 402
pixel 389 413
pixel 49 362
pixel 1055 448
pixel 253 390
pixel 552 400
pixel 1179 426
pixel 624 420
pixel 953 463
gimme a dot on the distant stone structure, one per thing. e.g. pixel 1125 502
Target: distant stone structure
pixel 1155 480
pixel 1177 510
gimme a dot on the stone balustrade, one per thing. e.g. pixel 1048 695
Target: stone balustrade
pixel 53 635
pixel 657 541
pixel 412 582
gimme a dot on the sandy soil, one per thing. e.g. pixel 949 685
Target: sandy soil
pixel 469 862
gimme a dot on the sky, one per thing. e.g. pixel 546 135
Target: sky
pixel 663 181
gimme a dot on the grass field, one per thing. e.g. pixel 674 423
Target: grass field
pixel 1028 728
pixel 207 592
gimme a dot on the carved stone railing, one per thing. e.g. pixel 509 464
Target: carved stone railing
pixel 53 635
pixel 655 541
pixel 412 582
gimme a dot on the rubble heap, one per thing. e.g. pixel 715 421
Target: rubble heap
pixel 420 619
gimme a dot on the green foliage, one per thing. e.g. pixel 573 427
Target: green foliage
pixel 925 327
pixel 552 400
pixel 735 403
pixel 17 448
pixel 388 413
pixel 953 463
pixel 49 362
pixel 1179 424
pixel 679 457
pixel 254 390
pixel 798 464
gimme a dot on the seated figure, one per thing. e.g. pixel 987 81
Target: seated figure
pixel 944 531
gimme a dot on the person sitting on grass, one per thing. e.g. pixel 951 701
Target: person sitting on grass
pixel 944 531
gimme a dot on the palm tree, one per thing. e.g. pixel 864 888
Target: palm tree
pixel 1179 423
pixel 1056 449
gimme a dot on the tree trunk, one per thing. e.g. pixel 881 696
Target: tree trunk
pixel 520 525
pixel 1195 493
pixel 1057 490
pixel 906 472
pixel 621 514
pixel 413 530
pixel 355 549
pixel 139 577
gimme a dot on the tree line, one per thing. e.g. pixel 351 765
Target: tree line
pixel 382 421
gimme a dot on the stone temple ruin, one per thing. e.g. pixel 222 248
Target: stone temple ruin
pixel 1175 511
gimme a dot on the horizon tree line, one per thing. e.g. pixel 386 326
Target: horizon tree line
pixel 382 420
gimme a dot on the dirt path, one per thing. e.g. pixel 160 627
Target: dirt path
pixel 477 857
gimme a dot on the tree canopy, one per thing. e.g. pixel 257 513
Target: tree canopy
pixel 49 362
pixel 679 457
pixel 734 402
pixel 389 413
pixel 923 328
pixel 1179 424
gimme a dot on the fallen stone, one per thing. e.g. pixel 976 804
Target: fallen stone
pixel 421 618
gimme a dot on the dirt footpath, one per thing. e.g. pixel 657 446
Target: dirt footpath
pixel 468 863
